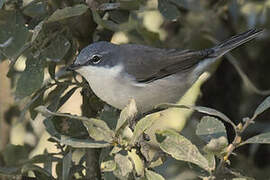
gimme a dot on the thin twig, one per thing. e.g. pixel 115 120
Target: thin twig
pixel 237 140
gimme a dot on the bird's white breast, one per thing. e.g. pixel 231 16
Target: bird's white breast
pixel 117 88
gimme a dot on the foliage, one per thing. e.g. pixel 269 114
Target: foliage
pixel 46 36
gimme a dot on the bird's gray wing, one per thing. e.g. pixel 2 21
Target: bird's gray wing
pixel 147 64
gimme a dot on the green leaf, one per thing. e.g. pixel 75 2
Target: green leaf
pixel 37 102
pixel 213 132
pixel 182 149
pixel 35 10
pixel 124 165
pixel 15 154
pixel 13 30
pixel 50 128
pixel 105 23
pixel 168 10
pixel 10 170
pixel 151 175
pixel 40 172
pixel 142 126
pixel 210 128
pixel 211 161
pixel 263 138
pixel 54 96
pixel 67 165
pixel 99 130
pixel 108 166
pixel 68 127
pixel 216 146
pixel 119 17
pixel 31 79
pixel 116 149
pixel 110 115
pixel 201 109
pixel 262 107
pixel 110 24
pixel 42 158
pixel 57 49
pixel 82 143
pixel 127 114
pixel 96 128
pixel 67 12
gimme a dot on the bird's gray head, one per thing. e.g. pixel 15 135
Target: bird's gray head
pixel 99 54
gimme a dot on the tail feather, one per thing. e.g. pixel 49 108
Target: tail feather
pixel 235 41
pixel 222 48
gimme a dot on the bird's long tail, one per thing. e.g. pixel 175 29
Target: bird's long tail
pixel 235 41
pixel 222 48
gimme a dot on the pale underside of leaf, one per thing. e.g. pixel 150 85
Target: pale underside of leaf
pixel 143 125
pixel 209 128
pixel 182 149
pixel 128 113
pixel 262 107
pixel 263 138
pixel 151 175
pixel 82 143
pixel 68 12
pixel 124 164
pixel 97 129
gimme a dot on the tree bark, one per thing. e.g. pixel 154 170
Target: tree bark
pixel 92 155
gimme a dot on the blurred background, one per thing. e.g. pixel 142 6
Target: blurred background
pixel 31 28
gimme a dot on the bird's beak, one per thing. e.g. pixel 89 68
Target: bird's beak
pixel 73 67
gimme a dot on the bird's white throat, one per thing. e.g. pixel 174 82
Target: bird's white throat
pixel 110 84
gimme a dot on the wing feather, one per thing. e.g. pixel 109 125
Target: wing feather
pixel 147 64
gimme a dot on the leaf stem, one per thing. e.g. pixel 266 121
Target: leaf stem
pixel 237 140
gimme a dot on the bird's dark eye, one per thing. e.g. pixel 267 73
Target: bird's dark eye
pixel 96 59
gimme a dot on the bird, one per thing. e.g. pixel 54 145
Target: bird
pixel 149 75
